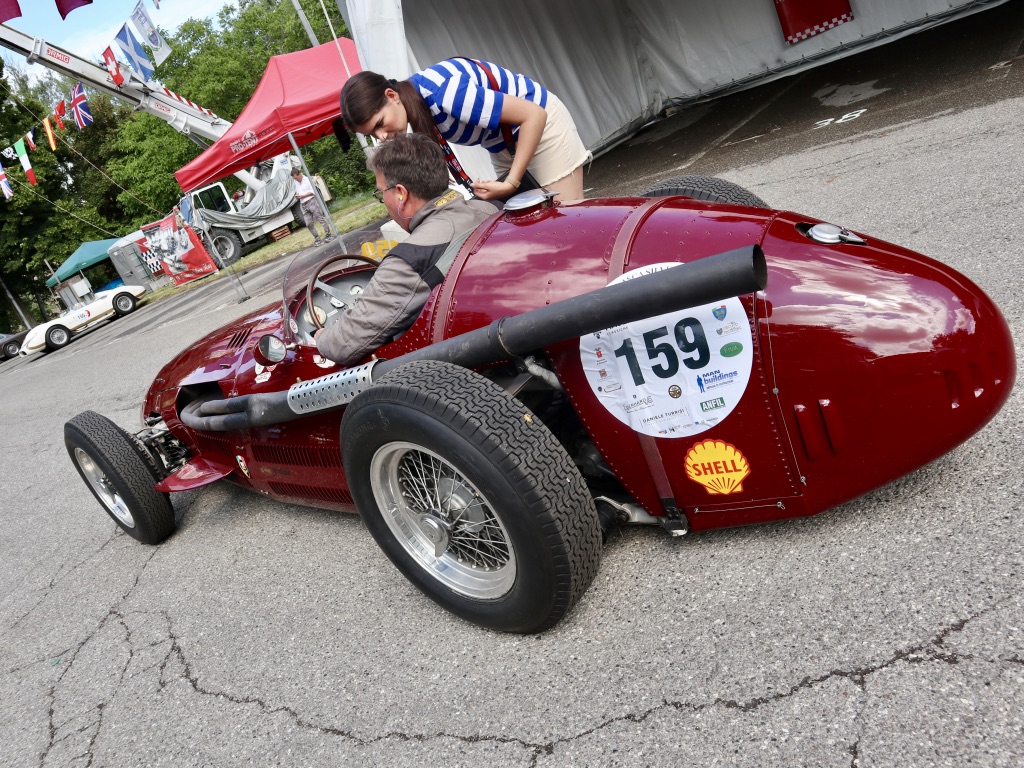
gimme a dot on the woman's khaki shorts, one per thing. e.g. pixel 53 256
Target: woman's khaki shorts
pixel 560 151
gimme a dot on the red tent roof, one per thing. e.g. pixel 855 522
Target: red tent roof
pixel 299 93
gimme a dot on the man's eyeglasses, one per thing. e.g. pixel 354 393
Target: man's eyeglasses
pixel 379 193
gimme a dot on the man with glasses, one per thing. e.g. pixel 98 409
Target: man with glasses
pixel 412 182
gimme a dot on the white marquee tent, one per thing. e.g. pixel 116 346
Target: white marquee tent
pixel 618 63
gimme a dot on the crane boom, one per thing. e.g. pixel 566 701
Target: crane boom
pixel 181 114
pixel 197 123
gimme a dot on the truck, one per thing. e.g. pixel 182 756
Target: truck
pixel 199 124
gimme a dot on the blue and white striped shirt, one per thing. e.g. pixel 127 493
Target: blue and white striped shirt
pixel 465 109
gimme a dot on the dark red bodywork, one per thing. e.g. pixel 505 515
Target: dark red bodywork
pixel 869 361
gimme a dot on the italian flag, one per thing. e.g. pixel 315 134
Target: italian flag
pixel 19 147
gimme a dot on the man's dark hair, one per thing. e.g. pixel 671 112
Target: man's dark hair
pixel 413 160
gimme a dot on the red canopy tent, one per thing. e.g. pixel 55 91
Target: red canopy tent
pixel 299 94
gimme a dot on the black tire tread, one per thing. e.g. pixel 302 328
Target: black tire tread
pixel 709 188
pixel 527 452
pixel 11 349
pixel 133 470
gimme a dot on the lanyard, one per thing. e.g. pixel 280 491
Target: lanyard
pixel 453 162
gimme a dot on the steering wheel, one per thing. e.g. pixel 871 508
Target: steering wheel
pixel 315 282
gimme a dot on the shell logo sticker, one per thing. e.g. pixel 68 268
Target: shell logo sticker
pixel 720 467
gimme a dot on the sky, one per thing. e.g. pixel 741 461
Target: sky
pixel 91 28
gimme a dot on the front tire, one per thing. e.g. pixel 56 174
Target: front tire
pixel 124 304
pixel 471 497
pixel 228 245
pixel 11 349
pixel 121 476
pixel 57 336
pixel 708 188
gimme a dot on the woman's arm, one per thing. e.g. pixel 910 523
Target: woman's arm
pixel 531 119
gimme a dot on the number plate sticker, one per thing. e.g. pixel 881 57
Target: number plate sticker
pixel 674 375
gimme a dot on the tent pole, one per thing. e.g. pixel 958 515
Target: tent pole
pixel 316 191
pixel 305 23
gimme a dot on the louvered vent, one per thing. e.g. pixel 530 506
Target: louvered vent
pixel 209 444
pixel 328 495
pixel 296 455
pixel 239 338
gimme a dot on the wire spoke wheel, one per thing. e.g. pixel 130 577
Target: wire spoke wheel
pixel 104 489
pixel 443 521
pixel 121 474
pixel 470 496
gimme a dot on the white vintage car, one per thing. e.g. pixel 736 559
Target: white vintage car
pixel 116 302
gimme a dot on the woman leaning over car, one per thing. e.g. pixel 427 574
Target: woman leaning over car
pixel 454 102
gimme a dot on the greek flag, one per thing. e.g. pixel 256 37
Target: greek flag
pixel 134 52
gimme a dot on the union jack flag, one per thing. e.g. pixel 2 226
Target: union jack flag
pixel 5 184
pixel 80 107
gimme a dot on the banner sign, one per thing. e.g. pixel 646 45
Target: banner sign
pixel 177 250
pixel 802 19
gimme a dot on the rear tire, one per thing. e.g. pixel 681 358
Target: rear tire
pixel 11 349
pixel 120 474
pixel 708 188
pixel 124 304
pixel 57 336
pixel 228 245
pixel 471 497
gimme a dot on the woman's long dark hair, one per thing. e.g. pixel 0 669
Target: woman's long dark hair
pixel 363 96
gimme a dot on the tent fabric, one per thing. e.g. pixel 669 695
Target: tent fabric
pixel 87 254
pixel 298 94
pixel 617 65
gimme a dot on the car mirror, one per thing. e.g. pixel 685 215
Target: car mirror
pixel 269 350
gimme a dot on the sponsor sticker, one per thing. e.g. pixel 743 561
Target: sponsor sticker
pixel 718 466
pixel 242 466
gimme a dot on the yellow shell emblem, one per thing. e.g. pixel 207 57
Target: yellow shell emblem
pixel 721 468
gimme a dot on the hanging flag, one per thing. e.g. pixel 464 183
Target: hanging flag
pixel 140 18
pixel 19 147
pixel 113 67
pixel 80 107
pixel 134 52
pixel 9 9
pixel 64 7
pixel 5 184
pixel 49 134
pixel 58 112
pixel 802 19
pixel 30 139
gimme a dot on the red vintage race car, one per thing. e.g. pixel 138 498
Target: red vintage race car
pixel 691 359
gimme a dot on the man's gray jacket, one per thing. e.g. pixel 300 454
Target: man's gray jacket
pixel 402 283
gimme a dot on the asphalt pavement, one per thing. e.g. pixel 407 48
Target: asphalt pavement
pixel 886 632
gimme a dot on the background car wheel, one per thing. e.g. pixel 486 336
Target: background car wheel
pixel 11 349
pixel 707 188
pixel 124 303
pixel 57 336
pixel 471 497
pixel 228 245
pixel 121 475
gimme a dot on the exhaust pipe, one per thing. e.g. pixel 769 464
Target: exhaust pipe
pixel 714 278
